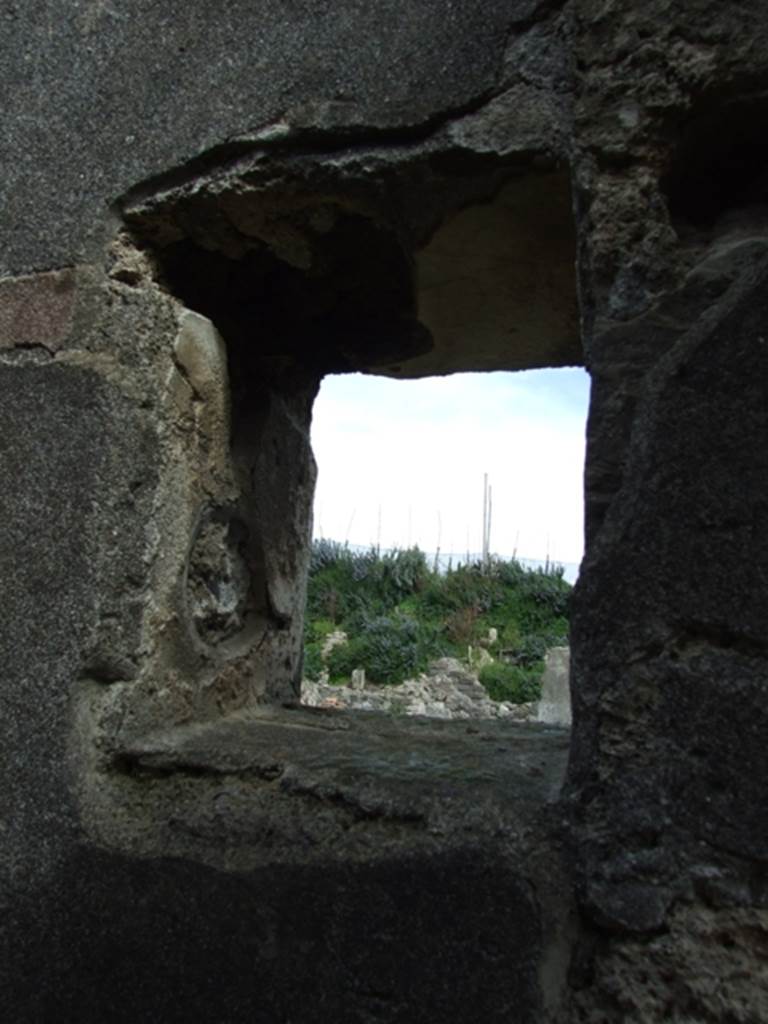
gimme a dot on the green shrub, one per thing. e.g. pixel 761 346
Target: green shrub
pixel 512 683
pixel 532 647
pixel 326 553
pixel 389 648
pixel 464 587
pixel 547 588
pixel 460 626
pixel 406 570
pixel 316 630
pixel 345 584
pixel 510 573
pixel 404 614
pixel 345 658
pixel 313 661
pixel 530 650
pixel 509 634
pixel 395 649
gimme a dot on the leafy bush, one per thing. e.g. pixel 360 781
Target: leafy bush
pixel 390 649
pixel 461 625
pixel 548 589
pixel 512 683
pixel 510 635
pixel 532 647
pixel 399 614
pixel 313 660
pixel 344 659
pixel 530 650
pixel 407 570
pixel 316 630
pixel 467 586
pixel 510 573
pixel 325 553
pixel 345 583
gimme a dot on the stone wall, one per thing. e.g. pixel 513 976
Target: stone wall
pixel 208 207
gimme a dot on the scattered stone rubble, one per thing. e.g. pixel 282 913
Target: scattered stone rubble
pixel 448 690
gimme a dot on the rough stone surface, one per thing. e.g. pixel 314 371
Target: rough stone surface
pixel 676 667
pixel 237 935
pixel 448 690
pixel 207 208
pixel 285 824
pixel 501 272
pixel 36 311
pixel 49 549
pixel 129 98
pixel 554 707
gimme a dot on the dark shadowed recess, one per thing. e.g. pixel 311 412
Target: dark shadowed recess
pixel 720 162
pixel 352 308
pixel 440 941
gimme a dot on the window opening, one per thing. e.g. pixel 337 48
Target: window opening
pixel 447 534
pixel 310 277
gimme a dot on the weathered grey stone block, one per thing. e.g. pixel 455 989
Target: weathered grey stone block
pixel 555 703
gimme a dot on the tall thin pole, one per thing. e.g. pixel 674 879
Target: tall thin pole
pixel 484 553
pixel 439 537
pixel 488 528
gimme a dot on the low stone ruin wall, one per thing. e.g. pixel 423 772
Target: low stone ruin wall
pixel 448 690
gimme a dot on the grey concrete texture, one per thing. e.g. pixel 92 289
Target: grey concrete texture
pixel 443 940
pixel 102 96
pixel 59 530
pixel 691 647
pixel 49 600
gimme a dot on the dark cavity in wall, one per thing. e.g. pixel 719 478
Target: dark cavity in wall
pixel 720 163
pixel 346 302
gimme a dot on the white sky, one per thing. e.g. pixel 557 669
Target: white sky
pixel 414 453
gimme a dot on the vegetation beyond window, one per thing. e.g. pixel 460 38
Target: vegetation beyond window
pixel 392 614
